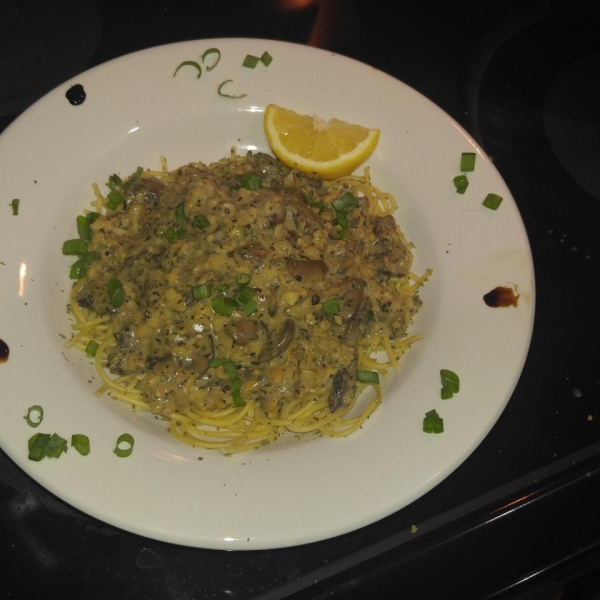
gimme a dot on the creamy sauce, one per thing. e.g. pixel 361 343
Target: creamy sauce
pixel 246 218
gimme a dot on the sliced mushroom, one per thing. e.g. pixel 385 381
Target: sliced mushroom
pixel 307 271
pixel 351 332
pixel 277 341
pixel 342 389
pixel 242 331
pixel 350 302
pixel 392 254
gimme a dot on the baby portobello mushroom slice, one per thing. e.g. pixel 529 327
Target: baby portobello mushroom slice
pixel 242 331
pixel 342 388
pixel 307 270
pixel 277 341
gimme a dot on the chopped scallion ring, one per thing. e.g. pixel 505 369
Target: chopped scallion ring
pixel 266 59
pixel 201 222
pixel 251 181
pixel 208 53
pixel 467 161
pixel 124 446
pixel 222 93
pixel 244 295
pixel 173 235
pixel 189 63
pixel 116 293
pixel 250 61
pixel 450 384
pixel 200 291
pixel 113 199
pixel 223 305
pixel 83 228
pixel 180 213
pixel 34 416
pixel 233 376
pixel 492 201
pixel 461 183
pixel 43 445
pixel 92 348
pixel 344 202
pixel 78 269
pixel 92 216
pixel 37 443
pixel 81 443
pixel 243 279
pixel 74 247
pixel 234 381
pixel 332 307
pixel 433 423
pixel 133 177
pixel 15 207
pixel 371 377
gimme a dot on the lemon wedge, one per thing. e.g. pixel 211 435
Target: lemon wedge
pixel 315 147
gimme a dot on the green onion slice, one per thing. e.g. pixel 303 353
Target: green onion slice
pixel 201 222
pixel 92 216
pixel 243 279
pixel 180 213
pixel 34 416
pixel 116 293
pixel 78 269
pixel 250 61
pixel 492 201
pixel 208 53
pixel 250 181
pixel 461 183
pixel 450 383
pixel 223 305
pixel 74 247
pixel 250 307
pixel 218 362
pixel 200 291
pixel 344 202
pixel 92 347
pixel 15 207
pixel 113 199
pixel 90 257
pixel 37 444
pixel 83 228
pixel 233 376
pixel 222 93
pixel 467 161
pixel 124 446
pixel 55 446
pixel 189 63
pixel 132 178
pixel 371 377
pixel 433 423
pixel 331 307
pixel 266 59
pixel 234 381
pixel 173 235
pixel 244 295
pixel 81 443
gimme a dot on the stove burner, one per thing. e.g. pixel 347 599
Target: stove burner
pixel 538 99
pixel 572 121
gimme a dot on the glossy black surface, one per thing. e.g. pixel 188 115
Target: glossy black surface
pixel 521 515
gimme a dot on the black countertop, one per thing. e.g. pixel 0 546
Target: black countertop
pixel 519 518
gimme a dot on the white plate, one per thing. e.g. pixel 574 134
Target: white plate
pixel 288 493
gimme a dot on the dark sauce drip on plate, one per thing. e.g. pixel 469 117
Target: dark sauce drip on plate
pixel 501 296
pixel 3 351
pixel 76 94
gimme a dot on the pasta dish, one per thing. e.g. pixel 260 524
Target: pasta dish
pixel 242 299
